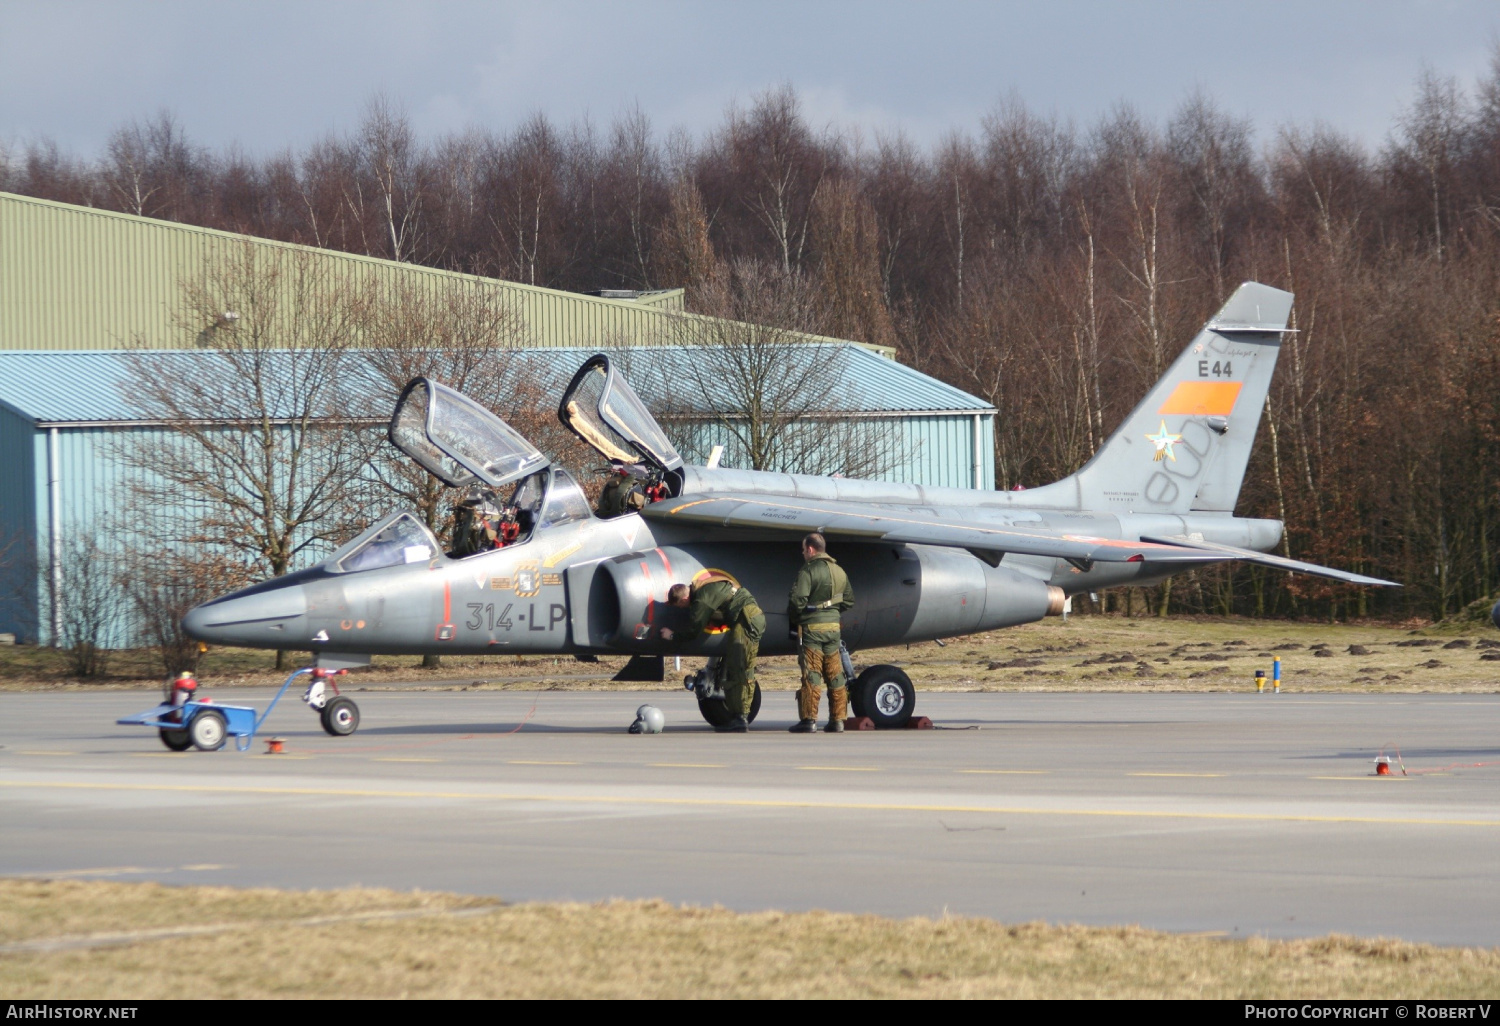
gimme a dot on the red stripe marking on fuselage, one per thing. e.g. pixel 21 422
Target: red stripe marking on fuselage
pixel 665 561
pixel 447 603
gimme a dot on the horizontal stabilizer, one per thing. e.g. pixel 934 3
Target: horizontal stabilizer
pixel 1279 562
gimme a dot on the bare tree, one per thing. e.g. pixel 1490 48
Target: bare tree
pixel 162 584
pixel 93 609
pixel 465 335
pixel 264 444
pixel 784 404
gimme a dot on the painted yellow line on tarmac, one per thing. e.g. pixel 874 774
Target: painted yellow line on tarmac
pixel 743 803
pixel 1013 773
pixel 105 871
pixel 403 758
pixel 46 753
pixel 689 765
pixel 538 762
pixel 841 769
pixel 1174 774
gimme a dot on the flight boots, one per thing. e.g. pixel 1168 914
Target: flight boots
pixel 838 709
pixel 807 711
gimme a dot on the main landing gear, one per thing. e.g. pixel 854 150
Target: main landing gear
pixel 706 685
pixel 882 693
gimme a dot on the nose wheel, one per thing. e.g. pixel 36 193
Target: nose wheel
pixel 340 717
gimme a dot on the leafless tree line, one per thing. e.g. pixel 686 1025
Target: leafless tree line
pixel 1050 269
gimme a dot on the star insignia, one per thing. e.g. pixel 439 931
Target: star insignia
pixel 1164 440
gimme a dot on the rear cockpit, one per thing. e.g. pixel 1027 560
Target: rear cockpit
pixel 601 408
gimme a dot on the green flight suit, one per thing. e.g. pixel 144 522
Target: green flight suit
pixel 820 594
pixel 720 600
pixel 620 495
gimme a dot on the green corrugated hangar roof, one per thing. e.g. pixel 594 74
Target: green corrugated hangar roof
pixel 76 277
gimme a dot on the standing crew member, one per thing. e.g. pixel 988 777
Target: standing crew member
pixel 819 595
pixel 717 600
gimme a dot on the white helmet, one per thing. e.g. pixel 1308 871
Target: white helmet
pixel 648 720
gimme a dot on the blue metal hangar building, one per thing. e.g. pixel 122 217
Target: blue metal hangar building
pixel 83 290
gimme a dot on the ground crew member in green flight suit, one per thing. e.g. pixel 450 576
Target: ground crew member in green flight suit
pixel 717 600
pixel 819 595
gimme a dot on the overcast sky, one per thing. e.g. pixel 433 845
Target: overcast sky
pixel 267 75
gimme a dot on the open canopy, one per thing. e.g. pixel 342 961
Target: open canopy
pixel 601 408
pixel 457 440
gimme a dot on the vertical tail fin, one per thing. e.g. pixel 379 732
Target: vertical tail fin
pixel 1185 446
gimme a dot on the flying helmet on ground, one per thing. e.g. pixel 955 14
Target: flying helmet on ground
pixel 648 720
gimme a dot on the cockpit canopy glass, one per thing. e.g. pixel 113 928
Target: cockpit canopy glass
pixel 398 539
pixel 457 440
pixel 602 409
pixel 566 502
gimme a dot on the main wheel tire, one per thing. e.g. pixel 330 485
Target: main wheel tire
pixel 177 740
pixel 717 713
pixel 340 717
pixel 884 694
pixel 207 731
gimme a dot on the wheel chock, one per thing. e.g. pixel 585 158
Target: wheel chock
pixel 274 745
pixel 859 723
pixel 919 723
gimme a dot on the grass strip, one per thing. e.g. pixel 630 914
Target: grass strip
pixel 353 944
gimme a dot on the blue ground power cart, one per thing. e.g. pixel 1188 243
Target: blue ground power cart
pixel 185 721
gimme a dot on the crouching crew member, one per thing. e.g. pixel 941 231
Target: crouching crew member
pixel 820 594
pixel 717 600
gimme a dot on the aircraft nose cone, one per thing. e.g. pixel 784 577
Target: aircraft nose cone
pixel 251 617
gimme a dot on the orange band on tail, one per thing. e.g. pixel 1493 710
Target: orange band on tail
pixel 1202 399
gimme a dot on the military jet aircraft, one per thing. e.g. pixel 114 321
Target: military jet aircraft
pixel 548 576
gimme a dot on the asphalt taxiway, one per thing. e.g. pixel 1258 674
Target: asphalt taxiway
pixel 1232 814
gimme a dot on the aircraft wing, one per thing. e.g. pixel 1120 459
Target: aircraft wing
pixel 868 522
pixel 1280 562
